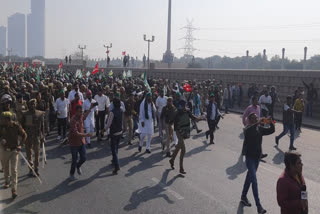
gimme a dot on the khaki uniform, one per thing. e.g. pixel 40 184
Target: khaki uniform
pixel 9 154
pixel 33 123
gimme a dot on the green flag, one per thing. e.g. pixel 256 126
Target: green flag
pixel 124 74
pixel 145 81
pixel 111 73
pixel 79 74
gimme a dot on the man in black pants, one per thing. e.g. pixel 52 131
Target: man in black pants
pixel 213 115
pixel 103 102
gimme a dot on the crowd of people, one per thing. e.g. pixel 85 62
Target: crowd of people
pixel 115 108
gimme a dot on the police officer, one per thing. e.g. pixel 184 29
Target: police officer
pixel 33 123
pixel 10 146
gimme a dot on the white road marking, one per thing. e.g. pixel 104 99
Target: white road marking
pixel 175 194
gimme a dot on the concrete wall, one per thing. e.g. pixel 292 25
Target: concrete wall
pixel 286 81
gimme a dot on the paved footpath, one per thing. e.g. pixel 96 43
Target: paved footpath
pixel 145 184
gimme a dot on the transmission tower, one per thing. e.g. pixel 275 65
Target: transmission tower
pixel 188 44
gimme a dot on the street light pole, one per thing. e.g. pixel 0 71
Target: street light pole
pixel 148 40
pixel 108 46
pixel 82 48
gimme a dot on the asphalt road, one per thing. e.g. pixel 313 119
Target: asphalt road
pixel 146 184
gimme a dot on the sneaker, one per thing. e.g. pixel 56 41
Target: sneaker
pixel 37 172
pixel 261 210
pixel 139 148
pixel 292 148
pixel 198 131
pixel 148 151
pixel 79 171
pixel 217 127
pixel 182 171
pixel 72 178
pixel 264 156
pixel 168 155
pixel 211 142
pixel 277 141
pixel 245 202
pixel 171 163
pixel 14 195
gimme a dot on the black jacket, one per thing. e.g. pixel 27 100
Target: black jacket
pixel 253 139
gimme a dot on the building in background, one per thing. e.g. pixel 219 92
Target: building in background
pixel 36 29
pixel 3 40
pixel 17 34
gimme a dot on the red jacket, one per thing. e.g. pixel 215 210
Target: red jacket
pixel 289 194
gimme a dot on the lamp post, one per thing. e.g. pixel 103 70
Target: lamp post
pixel 81 49
pixel 108 46
pixel 148 40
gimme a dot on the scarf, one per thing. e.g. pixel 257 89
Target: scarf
pixel 146 110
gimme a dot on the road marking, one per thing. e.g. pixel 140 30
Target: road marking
pixel 174 193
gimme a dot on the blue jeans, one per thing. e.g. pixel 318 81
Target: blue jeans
pixel 83 157
pixel 309 109
pixel 286 128
pixel 114 149
pixel 251 178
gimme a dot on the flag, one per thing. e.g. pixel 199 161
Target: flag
pixel 124 74
pixel 187 87
pixel 79 74
pixel 38 74
pixel 111 73
pixel 96 69
pixel 129 73
pixel 123 53
pixel 60 65
pixel 145 81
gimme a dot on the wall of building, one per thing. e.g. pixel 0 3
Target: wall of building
pixel 3 40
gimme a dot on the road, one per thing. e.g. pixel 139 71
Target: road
pixel 146 184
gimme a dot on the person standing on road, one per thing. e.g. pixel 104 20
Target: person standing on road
pixel 265 102
pixel 77 141
pixel 213 114
pixel 252 145
pixel 61 108
pixel 103 104
pixel 291 187
pixel 168 115
pixel 10 146
pixel 299 107
pixel 288 123
pixel 146 118
pixel 114 122
pixel 33 124
pixel 128 117
pixel 161 102
pixel 89 121
pixel 71 95
pixel 182 128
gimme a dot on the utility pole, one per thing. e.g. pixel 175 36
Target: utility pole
pixel 282 60
pixel 148 40
pixel 82 48
pixel 305 58
pixel 108 46
pixel 9 54
pixel 247 59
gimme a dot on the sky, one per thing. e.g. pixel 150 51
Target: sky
pixel 223 27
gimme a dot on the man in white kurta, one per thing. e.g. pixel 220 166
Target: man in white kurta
pixel 146 126
pixel 89 121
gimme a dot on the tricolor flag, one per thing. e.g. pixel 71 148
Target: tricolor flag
pixel 60 65
pixel 96 69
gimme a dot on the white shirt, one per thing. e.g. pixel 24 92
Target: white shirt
pixel 122 107
pixel 103 101
pixel 72 95
pixel 86 107
pixel 62 106
pixel 161 102
pixel 265 100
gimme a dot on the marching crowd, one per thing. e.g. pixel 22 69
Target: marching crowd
pixel 117 109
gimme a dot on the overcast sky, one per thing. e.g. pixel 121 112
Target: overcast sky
pixel 226 27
